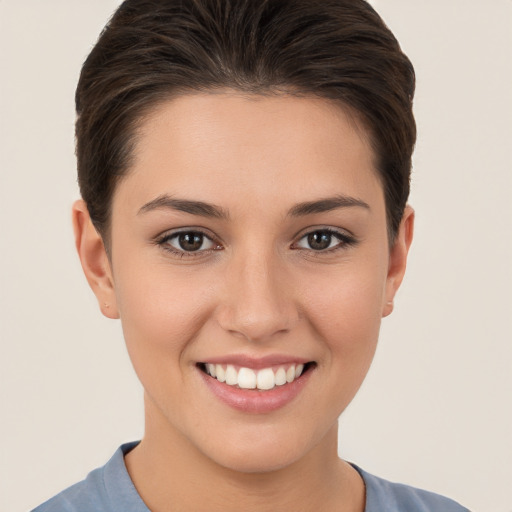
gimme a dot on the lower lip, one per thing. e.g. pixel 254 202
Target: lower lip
pixel 252 400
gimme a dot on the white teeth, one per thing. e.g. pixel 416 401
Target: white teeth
pixel 231 376
pixel 221 374
pixel 280 377
pixel 266 379
pixel 246 378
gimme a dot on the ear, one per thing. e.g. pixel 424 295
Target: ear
pixel 94 259
pixel 398 259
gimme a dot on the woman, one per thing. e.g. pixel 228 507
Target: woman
pixel 244 168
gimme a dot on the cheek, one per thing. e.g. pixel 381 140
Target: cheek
pixel 161 313
pixel 346 314
pixel 346 302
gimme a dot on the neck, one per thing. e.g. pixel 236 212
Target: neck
pixel 172 474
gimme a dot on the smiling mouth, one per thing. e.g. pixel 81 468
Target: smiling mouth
pixel 262 379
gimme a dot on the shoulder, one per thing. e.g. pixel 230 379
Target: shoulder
pixel 106 489
pixel 385 496
pixel 89 494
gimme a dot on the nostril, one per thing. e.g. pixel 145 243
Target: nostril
pixel 256 304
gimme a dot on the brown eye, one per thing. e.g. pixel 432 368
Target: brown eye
pixel 190 241
pixel 320 240
pixel 325 240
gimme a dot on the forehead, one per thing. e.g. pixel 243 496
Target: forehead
pixel 230 146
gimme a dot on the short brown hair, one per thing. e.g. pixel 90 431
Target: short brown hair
pixel 152 50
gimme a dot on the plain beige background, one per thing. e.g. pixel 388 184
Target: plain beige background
pixel 436 409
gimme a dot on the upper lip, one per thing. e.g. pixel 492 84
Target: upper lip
pixel 256 363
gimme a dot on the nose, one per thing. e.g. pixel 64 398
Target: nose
pixel 258 301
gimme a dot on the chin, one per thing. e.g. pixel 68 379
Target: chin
pixel 255 461
pixel 263 452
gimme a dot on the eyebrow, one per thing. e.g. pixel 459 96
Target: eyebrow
pixel 210 210
pixel 326 205
pixel 184 205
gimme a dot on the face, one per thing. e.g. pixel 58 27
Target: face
pixel 250 267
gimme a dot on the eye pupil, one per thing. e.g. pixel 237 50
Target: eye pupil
pixel 319 240
pixel 190 241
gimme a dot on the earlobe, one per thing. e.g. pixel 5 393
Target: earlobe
pixel 398 259
pixel 94 259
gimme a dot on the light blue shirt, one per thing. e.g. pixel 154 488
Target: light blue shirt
pixel 110 489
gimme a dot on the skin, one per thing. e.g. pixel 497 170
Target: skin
pixel 260 289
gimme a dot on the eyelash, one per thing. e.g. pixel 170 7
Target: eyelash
pixel 163 242
pixel 344 240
